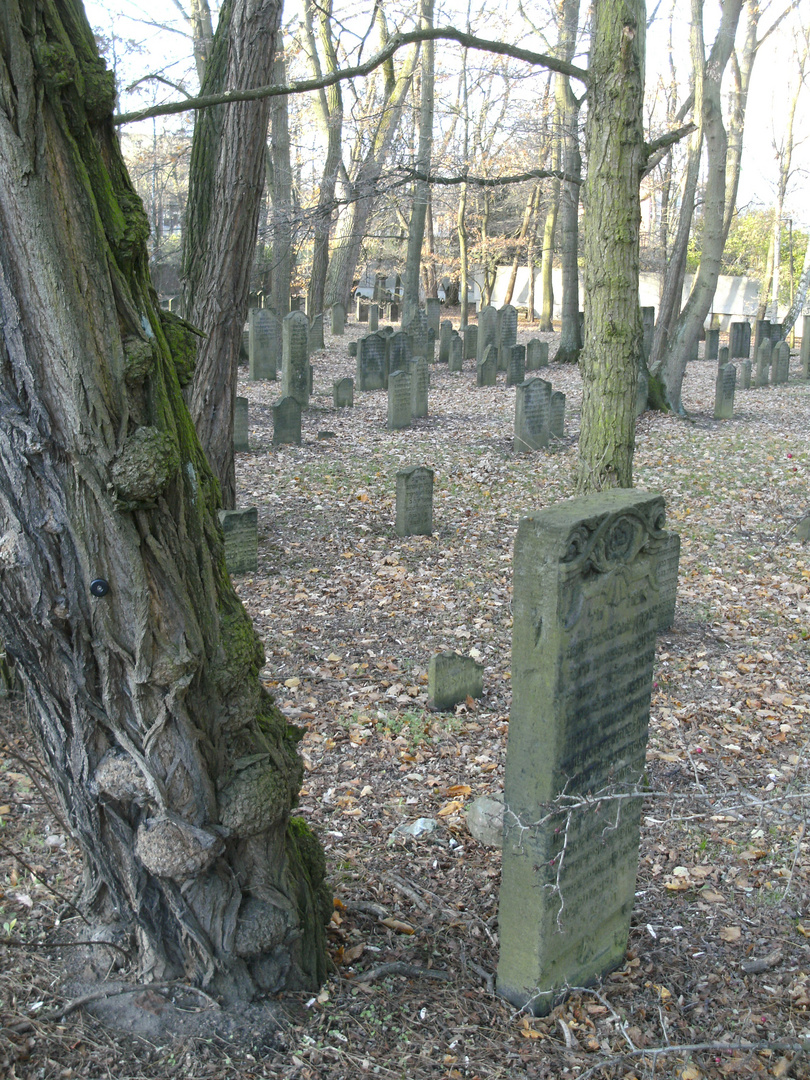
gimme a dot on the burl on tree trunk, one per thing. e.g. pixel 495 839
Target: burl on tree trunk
pixel 175 769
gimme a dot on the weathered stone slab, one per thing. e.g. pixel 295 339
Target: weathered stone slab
pixel 487 332
pixel 295 357
pixel 420 384
pixel 724 392
pixel 399 400
pixel 433 310
pixel 556 420
pixel 445 334
pixel 417 330
pixel 414 502
pixel 353 349
pixel 470 341
pixel 361 309
pixel 669 555
pixel 585 612
pixel 343 393
pixel 762 332
pixel 738 345
pixel 763 363
pixel 456 361
pixel 782 363
pixel 507 334
pixel 430 345
pixel 536 355
pixel 745 374
pixel 516 364
pixel 316 334
pixel 486 370
pixel 264 344
pixel 240 532
pixel 371 372
pixel 532 415
pixel 287 422
pixel 373 317
pixel 712 344
pixel 723 355
pixel 399 352
pixel 240 424
pixel 648 330
pixel 338 319
pixel 452 678
pixel 485 820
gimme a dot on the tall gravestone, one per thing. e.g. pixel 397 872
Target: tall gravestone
pixel 804 355
pixel 470 341
pixel 420 383
pixel 414 502
pixel 585 615
pixel 240 424
pixel 763 363
pixel 487 332
pixel 776 333
pixel 316 334
pixel 264 344
pixel 338 319
pixel 445 334
pixel 738 347
pixel 372 363
pixel 532 415
pixel 486 370
pixel 456 360
pixel 240 533
pixel 782 362
pixel 712 343
pixel 417 330
pixel 507 331
pixel 762 332
pixel 433 310
pixel 745 374
pixel 556 421
pixel 516 364
pixel 724 392
pixel 536 354
pixel 373 317
pixel 287 422
pixel 430 345
pixel 295 357
pixel 669 554
pixel 399 400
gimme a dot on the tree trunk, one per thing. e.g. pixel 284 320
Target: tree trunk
pixel 431 278
pixel 174 768
pixel 528 210
pixel 227 157
pixel 801 294
pixel 613 334
pixel 281 197
pixel 421 192
pixel 530 254
pixel 547 256
pixel 202 35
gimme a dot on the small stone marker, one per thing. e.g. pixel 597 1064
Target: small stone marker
pixel 433 310
pixel 361 309
pixel 724 392
pixel 373 317
pixel 372 367
pixel 536 354
pixel 557 414
pixel 240 532
pixel 763 363
pixel 452 678
pixel 722 355
pixel 295 357
pixel 393 312
pixel 420 383
pixel 782 363
pixel 353 349
pixel 456 361
pixel 712 344
pixel 669 554
pixel 776 333
pixel 745 374
pixel 486 370
pixel 487 332
pixel 240 424
pixel 532 415
pixel 583 646
pixel 399 400
pixel 287 422
pixel 264 344
pixel 804 355
pixel 316 334
pixel 414 502
pixel 343 393
pixel 485 820
pixel 470 341
pixel 444 341
pixel 516 364
pixel 338 319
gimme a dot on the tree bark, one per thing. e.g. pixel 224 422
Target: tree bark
pixel 281 197
pixel 421 192
pixel 613 334
pixel 175 769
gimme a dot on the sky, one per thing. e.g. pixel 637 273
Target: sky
pixel 158 32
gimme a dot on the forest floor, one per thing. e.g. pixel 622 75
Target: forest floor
pixel 716 979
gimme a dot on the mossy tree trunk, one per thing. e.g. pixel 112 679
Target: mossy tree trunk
pixel 226 181
pixel 174 767
pixel 613 333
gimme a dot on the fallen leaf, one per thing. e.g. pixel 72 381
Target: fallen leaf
pixel 459 789
pixel 398 926
pixel 450 808
pixel 730 933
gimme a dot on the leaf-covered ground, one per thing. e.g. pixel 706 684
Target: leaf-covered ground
pixel 350 614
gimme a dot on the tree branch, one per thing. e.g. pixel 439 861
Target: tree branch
pixel 396 42
pixel 487 181
pixel 658 148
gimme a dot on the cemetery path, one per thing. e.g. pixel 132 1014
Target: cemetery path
pixel 350 614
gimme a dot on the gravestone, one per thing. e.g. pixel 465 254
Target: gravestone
pixel 399 352
pixel 745 374
pixel 373 317
pixel 804 355
pixel 399 400
pixel 343 393
pixel 736 339
pixel 536 355
pixel 430 345
pixel 648 331
pixel 353 349
pixel 712 344
pixel 763 363
pixel 762 332
pixel 486 370
pixel 379 287
pixel 414 502
pixel 420 383
pixel 507 331
pixel 556 421
pixel 724 392
pixel 298 303
pixel 782 363
pixel 776 333
pixel 470 341
pixel 287 422
pixel 295 367
pixel 361 309
pixel 747 338
pixel 456 361
pixel 264 346
pixel 722 355
pixel 316 334
pixel 433 310
pixel 338 319
pixel 240 424
pixel 417 330
pixel 393 312
pixel 240 533
pixel 452 678
pixel 487 332
pixel 585 613
pixel 669 554
pixel 516 364
pixel 371 371
pixel 444 341
pixel 532 415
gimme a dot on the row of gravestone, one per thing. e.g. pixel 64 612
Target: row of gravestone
pixel 269 337
pixel 772 369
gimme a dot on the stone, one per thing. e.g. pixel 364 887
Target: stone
pixel 532 415
pixel 516 364
pixel 738 346
pixel 804 355
pixel 487 332
pixel 316 334
pixel 776 333
pixel 485 820
pixel 298 303
pixel 452 678
pixel 762 332
pixel 399 352
pixel 444 341
pixel 556 421
pixel 507 334
pixel 371 371
pixel 722 356
pixel 745 374
pixel 414 502
pixel 420 384
pixel 264 344
pixel 433 311
pixel 470 341
pixel 583 647
pixel 486 370
pixel 240 533
pixel 724 392
pixel 353 349
pixel 763 363
pixel 287 422
pixel 361 309
pixel 417 330
pixel 430 345
pixel 399 400
pixel 343 393
pixel 373 317
pixel 648 331
pixel 393 312
pixel 295 357
pixel 536 354
pixel 456 361
pixel 240 424
pixel 712 344
pixel 669 555
pixel 782 363
pixel 338 319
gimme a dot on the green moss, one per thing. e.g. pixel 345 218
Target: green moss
pixel 146 464
pixel 99 90
pixel 308 853
pixel 241 649
pixel 657 394
pixel 182 339
pixel 139 359
pixel 56 64
pixel 136 226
